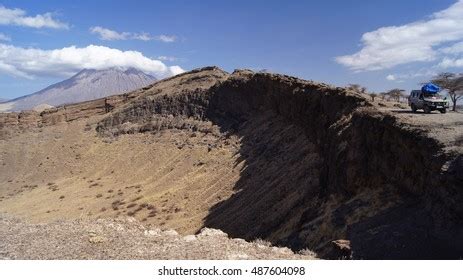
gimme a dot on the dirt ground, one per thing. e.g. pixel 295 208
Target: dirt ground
pixel 126 239
pixel 446 128
pixel 168 180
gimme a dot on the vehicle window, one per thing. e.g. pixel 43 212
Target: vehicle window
pixel 428 95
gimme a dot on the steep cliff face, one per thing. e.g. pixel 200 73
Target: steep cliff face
pixel 316 164
pixel 374 182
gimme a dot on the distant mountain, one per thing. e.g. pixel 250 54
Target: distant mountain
pixel 3 100
pixel 86 85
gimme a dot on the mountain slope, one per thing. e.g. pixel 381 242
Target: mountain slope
pixel 86 85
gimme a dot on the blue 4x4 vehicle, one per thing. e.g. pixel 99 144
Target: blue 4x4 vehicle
pixel 428 100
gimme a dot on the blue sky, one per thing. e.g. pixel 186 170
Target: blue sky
pixel 318 40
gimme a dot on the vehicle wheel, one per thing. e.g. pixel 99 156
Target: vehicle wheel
pixel 413 108
pixel 426 109
pixel 443 111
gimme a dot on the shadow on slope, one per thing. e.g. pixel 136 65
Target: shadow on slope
pixel 320 167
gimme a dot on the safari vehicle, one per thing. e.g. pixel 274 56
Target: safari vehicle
pixel 427 102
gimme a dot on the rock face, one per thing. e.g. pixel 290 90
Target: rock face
pixel 86 85
pixel 319 163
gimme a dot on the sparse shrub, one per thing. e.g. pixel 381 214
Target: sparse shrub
pixel 61 197
pixel 131 205
pixel 99 195
pixel 137 198
pixel 307 252
pixel 260 241
pixel 152 213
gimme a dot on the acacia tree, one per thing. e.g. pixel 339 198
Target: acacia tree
pixel 396 93
pixel 357 88
pixel 453 83
pixel 383 95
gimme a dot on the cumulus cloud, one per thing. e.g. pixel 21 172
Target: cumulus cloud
pixel 419 41
pixel 175 70
pixel 4 37
pixel 19 17
pixel 390 77
pixel 32 62
pixel 109 35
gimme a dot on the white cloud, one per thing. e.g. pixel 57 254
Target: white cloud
pixel 19 17
pixel 451 62
pixel 417 73
pixel 108 34
pixel 4 37
pixel 167 58
pixel 31 62
pixel 166 38
pixel 142 36
pixel 454 49
pixel 390 77
pixel 175 70
pixel 419 41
